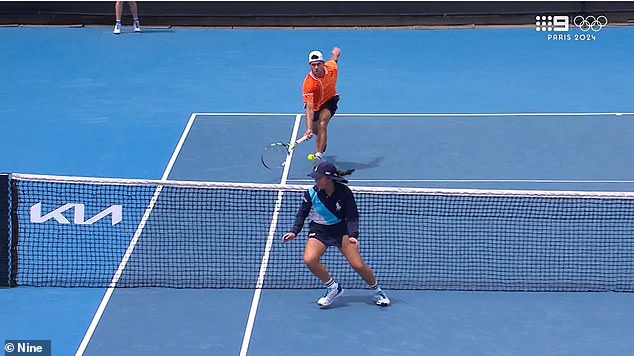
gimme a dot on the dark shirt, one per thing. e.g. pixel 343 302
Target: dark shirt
pixel 329 210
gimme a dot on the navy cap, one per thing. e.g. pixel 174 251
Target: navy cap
pixel 328 169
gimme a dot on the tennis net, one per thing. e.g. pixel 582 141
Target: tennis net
pixel 96 232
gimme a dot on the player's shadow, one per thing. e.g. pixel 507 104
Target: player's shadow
pixel 148 31
pixel 345 301
pixel 357 166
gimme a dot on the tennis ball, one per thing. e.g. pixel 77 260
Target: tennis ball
pixel 311 156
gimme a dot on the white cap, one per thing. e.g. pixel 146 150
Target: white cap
pixel 315 56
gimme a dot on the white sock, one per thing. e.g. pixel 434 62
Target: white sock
pixel 331 284
pixel 376 288
pixel 318 154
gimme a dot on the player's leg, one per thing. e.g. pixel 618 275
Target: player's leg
pixel 351 251
pixel 326 113
pixel 118 8
pixel 322 132
pixel 134 9
pixel 313 251
pixel 135 15
pixel 352 254
pixel 324 119
pixel 316 124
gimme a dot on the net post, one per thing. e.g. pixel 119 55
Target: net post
pixel 13 220
pixel 5 237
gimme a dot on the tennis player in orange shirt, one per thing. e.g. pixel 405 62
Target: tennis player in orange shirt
pixel 320 97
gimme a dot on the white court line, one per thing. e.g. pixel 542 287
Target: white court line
pixel 475 180
pixel 269 243
pixel 547 114
pixel 126 257
pixel 203 114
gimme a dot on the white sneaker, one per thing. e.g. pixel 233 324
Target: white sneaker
pixel 381 299
pixel 330 296
pixel 117 28
pixel 137 26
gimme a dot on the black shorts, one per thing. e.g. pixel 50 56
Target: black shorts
pixel 331 105
pixel 330 235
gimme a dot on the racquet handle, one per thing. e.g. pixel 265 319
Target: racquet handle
pixel 292 145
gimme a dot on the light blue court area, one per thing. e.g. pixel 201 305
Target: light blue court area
pixel 479 108
pixel 517 152
pixel 445 323
pixel 172 322
pixel 565 151
pixel 100 105
pixel 213 138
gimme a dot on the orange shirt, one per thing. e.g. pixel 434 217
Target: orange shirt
pixel 320 90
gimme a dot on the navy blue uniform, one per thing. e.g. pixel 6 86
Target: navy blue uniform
pixel 331 217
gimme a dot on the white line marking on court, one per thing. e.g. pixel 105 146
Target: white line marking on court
pixel 476 181
pixel 203 114
pixel 126 257
pixel 440 115
pixel 269 244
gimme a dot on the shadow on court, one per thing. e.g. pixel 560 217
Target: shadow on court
pixel 144 31
pixel 347 301
pixel 150 31
pixel 354 165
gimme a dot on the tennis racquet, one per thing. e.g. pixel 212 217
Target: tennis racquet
pixel 274 156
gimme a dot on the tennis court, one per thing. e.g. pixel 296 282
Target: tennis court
pixel 524 114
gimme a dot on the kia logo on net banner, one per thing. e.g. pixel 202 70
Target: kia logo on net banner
pixel 558 28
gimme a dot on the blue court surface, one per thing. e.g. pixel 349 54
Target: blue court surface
pixel 476 108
